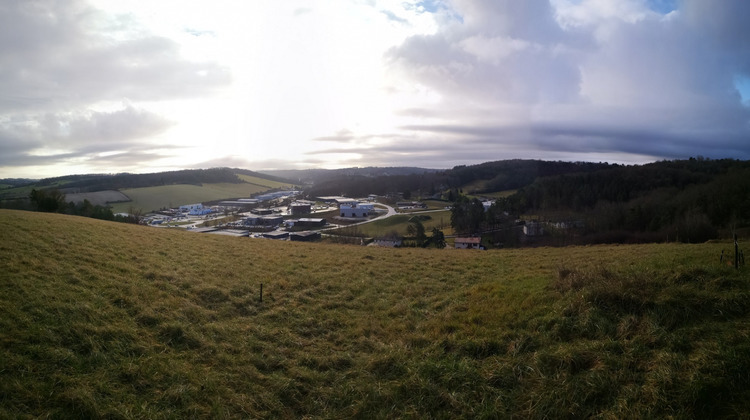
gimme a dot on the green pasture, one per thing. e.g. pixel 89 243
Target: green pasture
pixel 267 183
pixel 166 196
pixel 399 224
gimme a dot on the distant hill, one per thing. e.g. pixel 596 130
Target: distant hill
pixel 476 179
pixel 150 191
pixel 315 176
pixel 690 200
pixel 109 320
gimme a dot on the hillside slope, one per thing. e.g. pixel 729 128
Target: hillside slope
pixel 148 192
pixel 100 319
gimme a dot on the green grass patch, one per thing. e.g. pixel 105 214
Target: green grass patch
pixel 99 319
pixel 499 194
pixel 267 183
pixel 399 224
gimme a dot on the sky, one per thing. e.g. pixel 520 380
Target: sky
pixel 110 86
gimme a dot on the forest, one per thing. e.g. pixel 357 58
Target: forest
pixel 687 201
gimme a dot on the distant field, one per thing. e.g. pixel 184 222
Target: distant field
pixel 263 182
pixel 154 198
pixel 107 320
pixel 500 194
pixel 100 198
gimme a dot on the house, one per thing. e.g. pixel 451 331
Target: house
pixel 468 243
pixel 304 236
pixel 355 209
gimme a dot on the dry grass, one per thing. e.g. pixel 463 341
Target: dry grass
pixel 101 319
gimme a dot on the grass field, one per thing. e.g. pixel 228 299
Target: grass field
pixel 500 194
pixel 99 319
pixel 155 198
pixel 400 222
pixel 267 183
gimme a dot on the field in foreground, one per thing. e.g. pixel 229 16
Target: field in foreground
pixel 99 319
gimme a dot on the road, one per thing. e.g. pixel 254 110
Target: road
pixel 391 212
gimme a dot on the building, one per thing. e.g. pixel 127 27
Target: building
pixel 410 205
pixel 243 203
pixel 298 208
pixel 263 221
pixel 330 199
pixel 276 194
pixel 261 211
pixel 355 209
pixel 308 222
pixel 195 209
pixel 277 234
pixel 387 242
pixel 304 236
pixel 533 229
pixel 468 243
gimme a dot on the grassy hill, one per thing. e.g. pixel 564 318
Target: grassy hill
pixel 154 198
pixel 147 192
pixel 101 319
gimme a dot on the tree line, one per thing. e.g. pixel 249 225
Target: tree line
pixel 53 201
pixel 687 200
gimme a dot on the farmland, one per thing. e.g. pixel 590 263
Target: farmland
pixel 99 319
pixel 154 198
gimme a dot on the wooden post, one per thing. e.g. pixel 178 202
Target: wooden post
pixel 736 253
pixel 261 293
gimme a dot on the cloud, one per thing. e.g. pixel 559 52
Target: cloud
pixel 67 54
pixel 605 76
pixel 87 136
pixel 63 63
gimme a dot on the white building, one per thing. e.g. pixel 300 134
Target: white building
pixel 468 243
pixel 195 209
pixel 533 229
pixel 356 209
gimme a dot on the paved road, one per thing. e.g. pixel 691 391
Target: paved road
pixel 391 212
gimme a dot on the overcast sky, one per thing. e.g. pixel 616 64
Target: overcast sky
pixel 110 86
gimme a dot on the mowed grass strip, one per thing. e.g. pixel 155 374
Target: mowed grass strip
pixel 100 319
